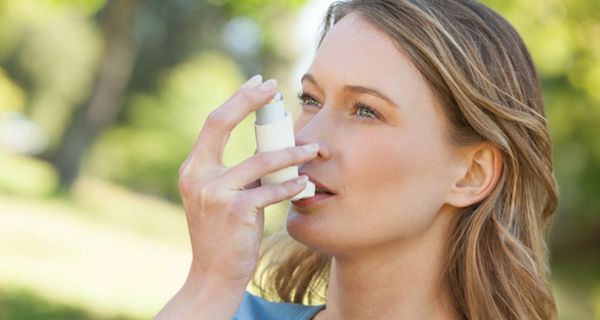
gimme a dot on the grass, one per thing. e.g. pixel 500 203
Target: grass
pixel 126 258
pixel 23 304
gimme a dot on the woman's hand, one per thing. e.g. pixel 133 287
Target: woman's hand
pixel 224 206
pixel 224 209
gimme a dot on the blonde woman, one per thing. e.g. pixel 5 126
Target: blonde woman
pixel 423 120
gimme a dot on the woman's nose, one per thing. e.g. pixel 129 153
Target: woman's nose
pixel 315 130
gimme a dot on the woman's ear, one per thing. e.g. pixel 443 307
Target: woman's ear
pixel 477 177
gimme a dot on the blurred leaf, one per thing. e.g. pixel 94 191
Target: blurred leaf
pixel 257 8
pixel 12 97
pixel 26 176
pixel 62 71
pixel 88 6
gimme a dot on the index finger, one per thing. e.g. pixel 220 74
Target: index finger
pixel 210 144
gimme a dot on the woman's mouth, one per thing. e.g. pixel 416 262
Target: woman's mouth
pixel 322 192
pixel 319 197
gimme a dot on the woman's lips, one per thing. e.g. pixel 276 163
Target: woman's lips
pixel 318 184
pixel 317 198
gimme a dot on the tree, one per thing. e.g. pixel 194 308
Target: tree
pixel 143 39
pixel 106 97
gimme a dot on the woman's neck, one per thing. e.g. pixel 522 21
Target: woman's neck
pixel 401 281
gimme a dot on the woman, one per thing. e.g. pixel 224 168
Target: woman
pixel 434 147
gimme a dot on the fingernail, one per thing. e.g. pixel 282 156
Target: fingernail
pixel 302 180
pixel 311 148
pixel 268 86
pixel 252 82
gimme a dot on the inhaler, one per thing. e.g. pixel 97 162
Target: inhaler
pixel 274 130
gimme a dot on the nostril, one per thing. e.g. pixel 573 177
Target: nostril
pixel 324 152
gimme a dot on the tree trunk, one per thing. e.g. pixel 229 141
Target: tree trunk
pixel 106 98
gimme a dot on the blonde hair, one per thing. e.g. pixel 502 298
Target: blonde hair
pixel 481 71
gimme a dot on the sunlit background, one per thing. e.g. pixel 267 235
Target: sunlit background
pixel 100 102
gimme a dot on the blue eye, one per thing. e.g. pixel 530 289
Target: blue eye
pixel 363 110
pixel 306 99
pixel 370 113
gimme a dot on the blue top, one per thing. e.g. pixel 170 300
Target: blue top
pixel 256 308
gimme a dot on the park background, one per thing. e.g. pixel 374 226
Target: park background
pixel 101 100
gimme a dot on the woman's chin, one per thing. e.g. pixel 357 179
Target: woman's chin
pixel 300 223
pixel 309 229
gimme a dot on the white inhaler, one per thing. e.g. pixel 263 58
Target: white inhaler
pixel 274 130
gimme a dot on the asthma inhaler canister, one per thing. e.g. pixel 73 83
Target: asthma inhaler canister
pixel 274 130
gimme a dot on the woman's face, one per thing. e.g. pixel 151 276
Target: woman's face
pixel 390 167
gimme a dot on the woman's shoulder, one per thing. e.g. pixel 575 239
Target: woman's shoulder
pixel 254 307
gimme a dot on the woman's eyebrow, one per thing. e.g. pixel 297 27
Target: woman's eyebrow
pixel 356 89
pixel 359 89
pixel 309 77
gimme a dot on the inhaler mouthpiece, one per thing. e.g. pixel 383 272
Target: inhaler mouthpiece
pixel 274 130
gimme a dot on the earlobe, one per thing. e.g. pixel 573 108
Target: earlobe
pixel 482 170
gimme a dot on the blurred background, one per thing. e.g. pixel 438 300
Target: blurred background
pixel 101 101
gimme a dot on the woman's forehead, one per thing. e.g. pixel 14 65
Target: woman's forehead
pixel 354 52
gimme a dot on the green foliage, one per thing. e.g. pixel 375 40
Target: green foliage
pixel 61 71
pixel 26 176
pixel 562 37
pixel 58 51
pixel 12 97
pixel 20 18
pixel 257 9
pixel 145 152
pixel 87 6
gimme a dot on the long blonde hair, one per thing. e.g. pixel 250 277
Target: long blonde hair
pixel 480 69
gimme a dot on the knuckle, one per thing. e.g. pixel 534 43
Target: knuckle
pixel 212 199
pixel 187 181
pixel 186 185
pixel 290 188
pixel 199 182
pixel 215 120
pixel 238 204
pixel 183 168
pixel 248 96
pixel 244 219
pixel 264 159
pixel 208 192
pixel 279 191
